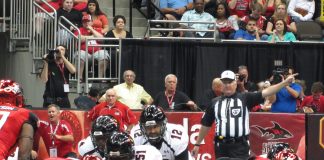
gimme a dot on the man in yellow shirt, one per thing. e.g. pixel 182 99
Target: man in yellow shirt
pixel 130 93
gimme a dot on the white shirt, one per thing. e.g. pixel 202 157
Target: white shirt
pixel 175 140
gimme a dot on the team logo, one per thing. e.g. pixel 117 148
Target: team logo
pixel 274 133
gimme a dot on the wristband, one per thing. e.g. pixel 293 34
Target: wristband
pixel 197 145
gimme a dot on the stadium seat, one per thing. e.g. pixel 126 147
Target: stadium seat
pixel 309 31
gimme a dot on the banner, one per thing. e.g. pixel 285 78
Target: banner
pixel 315 138
pixel 266 130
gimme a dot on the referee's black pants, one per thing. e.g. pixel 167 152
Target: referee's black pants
pixel 232 148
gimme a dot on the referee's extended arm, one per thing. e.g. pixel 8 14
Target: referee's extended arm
pixel 202 133
pixel 275 88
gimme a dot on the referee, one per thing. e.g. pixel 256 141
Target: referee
pixel 230 112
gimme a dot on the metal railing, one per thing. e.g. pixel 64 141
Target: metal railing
pixel 178 26
pixel 20 19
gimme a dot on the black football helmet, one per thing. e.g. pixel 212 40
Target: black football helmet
pixel 150 117
pixel 278 148
pixel 101 129
pixel 119 146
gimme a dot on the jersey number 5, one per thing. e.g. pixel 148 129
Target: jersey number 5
pixel 3 117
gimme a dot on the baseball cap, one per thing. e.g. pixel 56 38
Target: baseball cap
pixel 86 17
pixel 230 75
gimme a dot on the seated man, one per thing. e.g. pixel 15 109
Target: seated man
pixel 172 99
pixel 88 101
pixel 174 9
pixel 251 32
pixel 87 31
pixel 315 102
pixel 198 14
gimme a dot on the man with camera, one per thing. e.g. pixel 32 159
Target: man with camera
pixel 243 84
pixel 55 74
pixel 286 99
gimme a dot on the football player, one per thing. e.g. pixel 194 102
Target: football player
pixel 170 139
pixel 17 125
pixel 120 146
pixel 95 143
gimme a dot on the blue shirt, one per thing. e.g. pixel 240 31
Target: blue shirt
pixel 174 3
pixel 192 15
pixel 244 34
pixel 285 102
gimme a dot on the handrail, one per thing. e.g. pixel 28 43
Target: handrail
pixel 214 30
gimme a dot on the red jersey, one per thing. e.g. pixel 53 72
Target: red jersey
pixel 119 111
pixel 85 32
pixel 11 121
pixel 63 128
pixel 319 104
pixel 241 8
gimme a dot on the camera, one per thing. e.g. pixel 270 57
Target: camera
pixel 277 73
pixel 241 77
pixel 52 54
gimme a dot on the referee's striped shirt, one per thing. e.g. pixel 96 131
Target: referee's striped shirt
pixel 231 114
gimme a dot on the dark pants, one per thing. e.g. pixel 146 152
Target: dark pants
pixel 62 102
pixel 232 148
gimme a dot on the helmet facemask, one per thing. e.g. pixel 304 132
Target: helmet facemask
pixel 119 146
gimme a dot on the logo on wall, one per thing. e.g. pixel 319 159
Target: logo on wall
pixel 274 133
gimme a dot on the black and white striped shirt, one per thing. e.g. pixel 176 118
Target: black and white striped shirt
pixel 231 114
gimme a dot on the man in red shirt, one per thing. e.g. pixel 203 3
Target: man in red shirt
pixel 17 125
pixel 118 110
pixel 87 31
pixel 316 100
pixel 57 134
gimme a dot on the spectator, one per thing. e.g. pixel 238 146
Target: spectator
pixel 225 23
pixel 301 97
pixel 230 113
pixel 174 9
pixel 215 91
pixel 119 31
pixel 80 5
pixel 74 16
pixel 198 14
pixel 256 14
pixel 266 104
pixel 280 33
pixel 130 93
pixel 55 74
pixel 101 130
pixel 87 31
pixel 54 3
pixel 281 13
pixel 171 98
pixel 316 100
pixel 240 8
pixel 57 134
pixel 18 125
pixel 99 18
pixel 301 10
pixel 286 98
pixel 153 130
pixel 118 110
pixel 269 7
pixel 89 101
pixel 243 83
pixel 251 32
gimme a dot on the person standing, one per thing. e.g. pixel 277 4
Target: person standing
pixel 55 74
pixel 57 134
pixel 215 91
pixel 230 113
pixel 131 94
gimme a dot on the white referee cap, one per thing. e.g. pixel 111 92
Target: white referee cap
pixel 228 74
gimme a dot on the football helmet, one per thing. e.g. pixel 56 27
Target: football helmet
pixel 11 93
pixel 119 146
pixel 278 148
pixel 101 129
pixel 153 116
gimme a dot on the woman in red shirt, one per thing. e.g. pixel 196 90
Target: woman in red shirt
pixel 99 19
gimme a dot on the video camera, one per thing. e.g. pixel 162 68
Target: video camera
pixel 52 53
pixel 241 77
pixel 277 74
